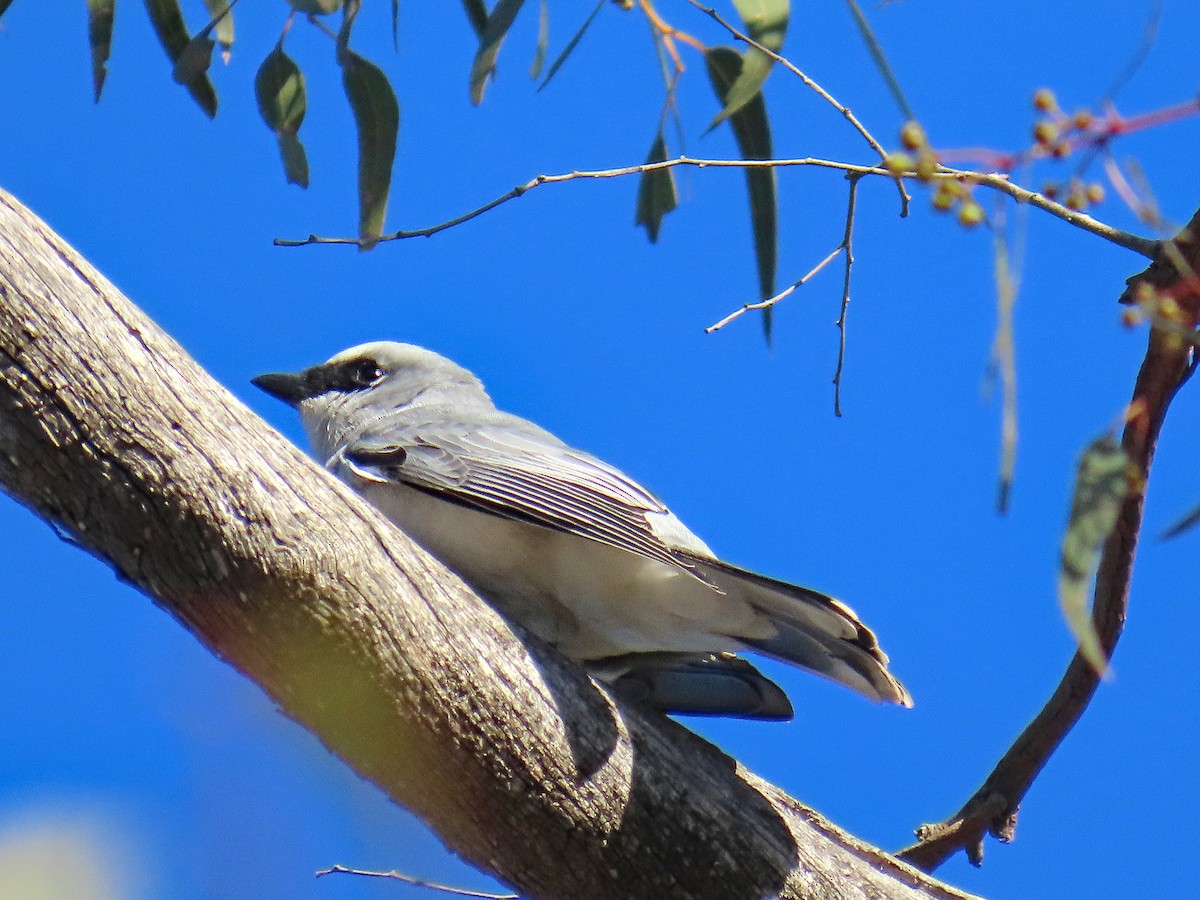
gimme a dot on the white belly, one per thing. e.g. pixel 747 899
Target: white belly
pixel 588 599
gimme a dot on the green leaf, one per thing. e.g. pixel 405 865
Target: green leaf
pixel 477 15
pixel 1101 486
pixel 222 20
pixel 282 102
pixel 543 41
pixel 193 63
pixel 881 62
pixel 377 118
pixel 656 192
pixel 494 32
pixel 766 22
pixel 350 10
pixel 173 35
pixel 316 7
pixel 752 130
pixel 571 45
pixel 100 29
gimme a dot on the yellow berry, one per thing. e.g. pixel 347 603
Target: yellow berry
pixel 1060 150
pixel 943 202
pixel 899 163
pixel 926 167
pixel 970 214
pixel 1044 101
pixel 912 136
pixel 1045 132
pixel 1131 318
pixel 1083 119
pixel 951 188
pixel 1095 193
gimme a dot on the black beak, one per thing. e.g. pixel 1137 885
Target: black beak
pixel 286 386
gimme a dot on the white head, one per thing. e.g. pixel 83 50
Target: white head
pixel 353 390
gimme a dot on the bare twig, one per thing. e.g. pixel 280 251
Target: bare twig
pixel 813 86
pixel 1167 365
pixel 416 882
pixel 998 181
pixel 848 245
pixel 1149 36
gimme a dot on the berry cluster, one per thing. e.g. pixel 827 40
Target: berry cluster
pixel 951 193
pixel 1058 135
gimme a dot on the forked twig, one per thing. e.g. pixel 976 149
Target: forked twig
pixel 998 181
pixel 813 86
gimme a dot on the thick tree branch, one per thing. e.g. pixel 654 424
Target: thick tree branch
pixel 523 766
pixel 1166 366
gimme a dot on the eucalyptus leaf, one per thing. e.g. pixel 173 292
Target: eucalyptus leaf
pixel 752 130
pixel 222 16
pixel 543 41
pixel 100 29
pixel 172 33
pixel 194 62
pixel 766 23
pixel 377 120
pixel 280 90
pixel 880 59
pixel 1101 486
pixel 494 32
pixel 316 7
pixel 477 15
pixel 656 192
pixel 571 44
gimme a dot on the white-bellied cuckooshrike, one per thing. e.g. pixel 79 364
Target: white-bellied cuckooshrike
pixel 567 546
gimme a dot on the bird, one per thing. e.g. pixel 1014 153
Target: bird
pixel 567 546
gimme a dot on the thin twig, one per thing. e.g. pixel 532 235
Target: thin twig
pixel 813 86
pixel 771 301
pixel 1149 36
pixel 848 246
pixel 995 180
pixel 1167 365
pixel 417 882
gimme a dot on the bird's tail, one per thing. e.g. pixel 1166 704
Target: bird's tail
pixel 815 631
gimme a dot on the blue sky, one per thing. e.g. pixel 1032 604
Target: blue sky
pixel 123 735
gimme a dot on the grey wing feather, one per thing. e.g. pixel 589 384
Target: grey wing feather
pixel 523 474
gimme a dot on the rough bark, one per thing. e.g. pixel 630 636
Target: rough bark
pixel 522 765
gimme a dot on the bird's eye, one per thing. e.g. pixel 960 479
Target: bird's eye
pixel 366 373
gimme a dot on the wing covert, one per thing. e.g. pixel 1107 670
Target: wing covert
pixel 524 476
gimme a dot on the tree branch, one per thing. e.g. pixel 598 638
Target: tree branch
pixel 520 763
pixel 1166 366
pixel 997 181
